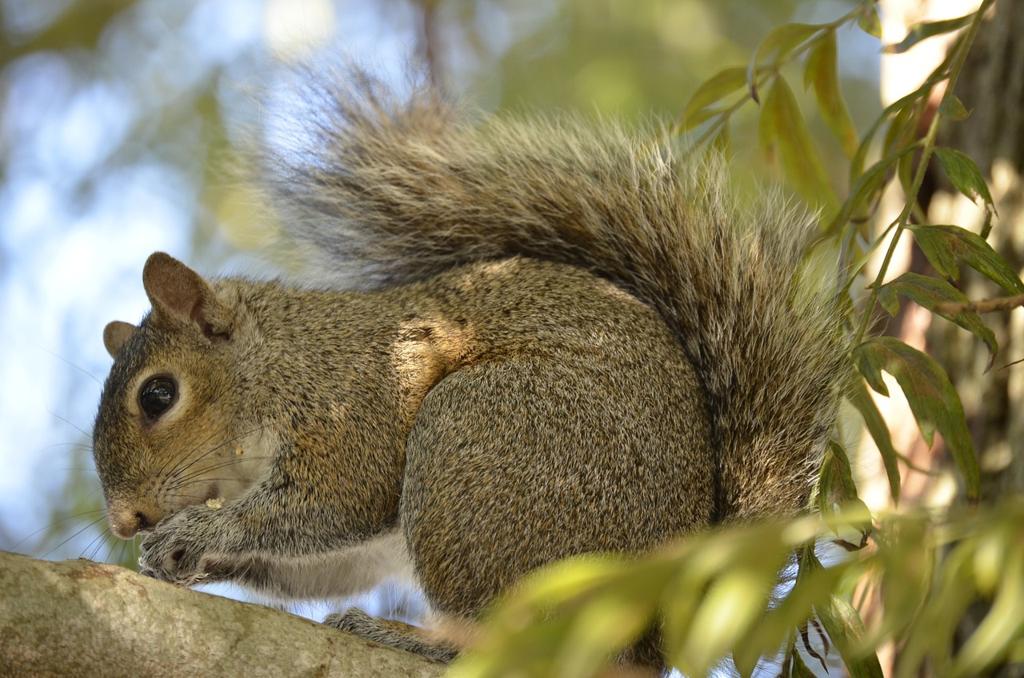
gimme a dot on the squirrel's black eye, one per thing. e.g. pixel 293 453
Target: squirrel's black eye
pixel 157 395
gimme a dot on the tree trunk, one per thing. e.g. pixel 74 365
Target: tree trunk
pixel 80 618
pixel 992 88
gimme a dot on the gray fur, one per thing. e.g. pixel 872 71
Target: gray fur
pixel 557 343
pixel 393 190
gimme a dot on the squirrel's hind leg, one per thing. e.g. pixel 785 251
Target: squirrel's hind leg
pixel 392 634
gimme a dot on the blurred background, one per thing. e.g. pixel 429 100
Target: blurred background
pixel 118 119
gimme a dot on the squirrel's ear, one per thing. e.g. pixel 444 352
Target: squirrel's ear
pixel 178 292
pixel 115 334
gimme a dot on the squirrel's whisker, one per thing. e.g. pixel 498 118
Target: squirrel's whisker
pixel 175 462
pixel 99 541
pixel 54 523
pixel 196 475
pixel 175 472
pixel 81 445
pixel 224 389
pixel 71 424
pixel 75 534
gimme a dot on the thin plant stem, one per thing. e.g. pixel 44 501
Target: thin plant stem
pixel 927 149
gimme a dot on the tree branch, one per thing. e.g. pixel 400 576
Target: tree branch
pixel 983 306
pixel 78 617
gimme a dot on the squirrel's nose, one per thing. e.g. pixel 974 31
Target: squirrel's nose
pixel 127 519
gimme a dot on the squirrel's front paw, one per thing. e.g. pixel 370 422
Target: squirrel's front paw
pixel 179 548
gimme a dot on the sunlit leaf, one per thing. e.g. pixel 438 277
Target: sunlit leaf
pixel 813 587
pixel 734 602
pixel 876 426
pixel 606 624
pixel 906 573
pixel 711 91
pixel 775 47
pixel 932 635
pixel 554 585
pixel 845 628
pixel 527 651
pixel 1003 623
pixel 680 602
pixel 932 398
pixel 822 73
pixel 870 22
pixel 928 29
pixel 784 134
pixel 867 186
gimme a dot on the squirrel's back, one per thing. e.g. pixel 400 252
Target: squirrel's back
pixel 395 189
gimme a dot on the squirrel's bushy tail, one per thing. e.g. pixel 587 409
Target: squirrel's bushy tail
pixel 396 189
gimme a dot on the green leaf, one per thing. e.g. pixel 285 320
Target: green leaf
pixel 932 632
pixel 861 399
pixel 699 117
pixel 711 91
pixel 836 467
pixel 1001 626
pixel 822 73
pixel 527 651
pixel 868 185
pixel 775 47
pixel 678 605
pixel 902 130
pixel 846 630
pixel 965 175
pixel 837 496
pixel 930 292
pixel 947 246
pixel 784 39
pixel 554 585
pixel 606 624
pixel 814 586
pixel 907 100
pixel 784 133
pixel 932 398
pixel 800 669
pixel 928 29
pixel 869 21
pixel 734 603
pixel 953 108
pixel 722 143
pixel 871 373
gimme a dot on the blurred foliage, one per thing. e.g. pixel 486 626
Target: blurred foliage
pixel 714 595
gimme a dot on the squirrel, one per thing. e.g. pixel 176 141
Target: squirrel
pixel 556 338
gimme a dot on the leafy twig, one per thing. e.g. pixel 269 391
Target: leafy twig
pixel 927 150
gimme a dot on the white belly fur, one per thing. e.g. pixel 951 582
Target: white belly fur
pixel 335 574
